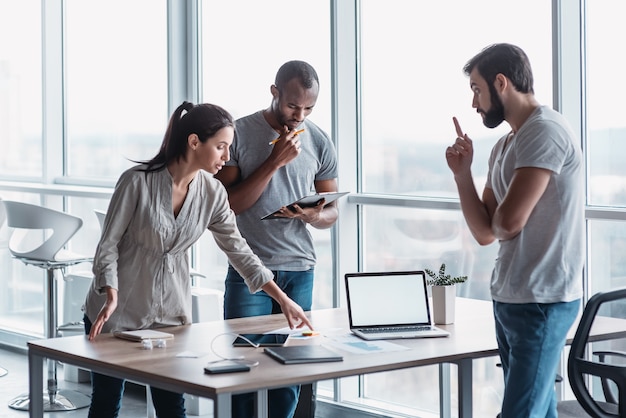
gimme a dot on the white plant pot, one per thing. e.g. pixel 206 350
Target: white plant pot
pixel 444 298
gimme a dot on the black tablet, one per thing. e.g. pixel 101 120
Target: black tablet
pixel 308 201
pixel 263 340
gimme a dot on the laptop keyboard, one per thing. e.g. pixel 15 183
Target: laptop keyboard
pixel 395 329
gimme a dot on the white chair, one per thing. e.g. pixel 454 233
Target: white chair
pixel 38 237
pixel 100 214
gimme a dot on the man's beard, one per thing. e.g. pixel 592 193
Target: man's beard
pixel 495 115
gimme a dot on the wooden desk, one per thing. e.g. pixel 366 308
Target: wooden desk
pixel 472 336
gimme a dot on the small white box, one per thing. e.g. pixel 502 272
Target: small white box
pixel 198 406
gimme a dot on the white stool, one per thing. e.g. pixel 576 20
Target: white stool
pixel 38 239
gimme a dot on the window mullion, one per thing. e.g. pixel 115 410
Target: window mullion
pixel 53 123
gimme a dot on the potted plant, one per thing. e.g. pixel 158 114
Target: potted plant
pixel 444 294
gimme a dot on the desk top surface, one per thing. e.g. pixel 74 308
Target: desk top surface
pixel 472 336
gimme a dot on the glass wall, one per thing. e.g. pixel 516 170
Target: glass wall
pixel 239 61
pixel 606 132
pixel 239 64
pixel 606 136
pixel 116 85
pixel 20 89
pixel 104 101
pixel 605 107
pixel 412 84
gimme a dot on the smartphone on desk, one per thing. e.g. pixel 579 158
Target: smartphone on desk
pixel 226 366
pixel 262 340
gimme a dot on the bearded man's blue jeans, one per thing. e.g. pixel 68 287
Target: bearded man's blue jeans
pixel 531 337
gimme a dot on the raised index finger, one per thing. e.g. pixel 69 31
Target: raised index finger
pixel 459 131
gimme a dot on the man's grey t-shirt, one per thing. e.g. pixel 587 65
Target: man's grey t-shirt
pixel 282 244
pixel 544 262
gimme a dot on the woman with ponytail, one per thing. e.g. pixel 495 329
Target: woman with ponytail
pixel 158 210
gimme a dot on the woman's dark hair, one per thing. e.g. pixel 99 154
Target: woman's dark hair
pixel 505 59
pixel 204 120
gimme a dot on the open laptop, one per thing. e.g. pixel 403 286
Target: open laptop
pixel 389 305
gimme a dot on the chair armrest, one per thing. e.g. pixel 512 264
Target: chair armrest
pixel 603 354
pixel 196 273
pixel 606 389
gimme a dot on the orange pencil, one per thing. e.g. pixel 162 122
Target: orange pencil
pixel 278 139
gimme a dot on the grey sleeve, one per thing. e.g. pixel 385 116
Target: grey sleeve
pixel 228 238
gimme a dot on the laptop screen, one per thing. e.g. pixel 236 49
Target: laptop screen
pixel 396 298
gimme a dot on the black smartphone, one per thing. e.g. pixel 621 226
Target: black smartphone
pixel 263 340
pixel 226 366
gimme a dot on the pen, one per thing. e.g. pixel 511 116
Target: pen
pixel 278 139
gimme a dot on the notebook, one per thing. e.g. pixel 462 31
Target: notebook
pixel 390 305
pixel 143 334
pixel 298 354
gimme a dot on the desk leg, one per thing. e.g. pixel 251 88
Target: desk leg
pixel 35 385
pixel 222 406
pixel 262 404
pixel 465 387
pixel 444 390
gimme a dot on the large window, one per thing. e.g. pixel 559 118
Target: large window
pixel 116 84
pixel 606 129
pixel 239 64
pixel 605 105
pixel 412 84
pixel 86 86
pixel 244 42
pixel 412 56
pixel 20 89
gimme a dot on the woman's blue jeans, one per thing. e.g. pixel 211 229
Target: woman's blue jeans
pixel 106 396
pixel 531 337
pixel 240 303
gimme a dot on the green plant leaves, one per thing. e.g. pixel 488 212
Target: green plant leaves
pixel 443 279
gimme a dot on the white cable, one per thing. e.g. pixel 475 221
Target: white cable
pixel 240 359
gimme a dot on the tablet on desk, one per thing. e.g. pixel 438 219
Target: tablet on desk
pixel 309 201
pixel 261 340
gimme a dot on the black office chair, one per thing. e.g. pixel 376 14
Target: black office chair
pixel 610 375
